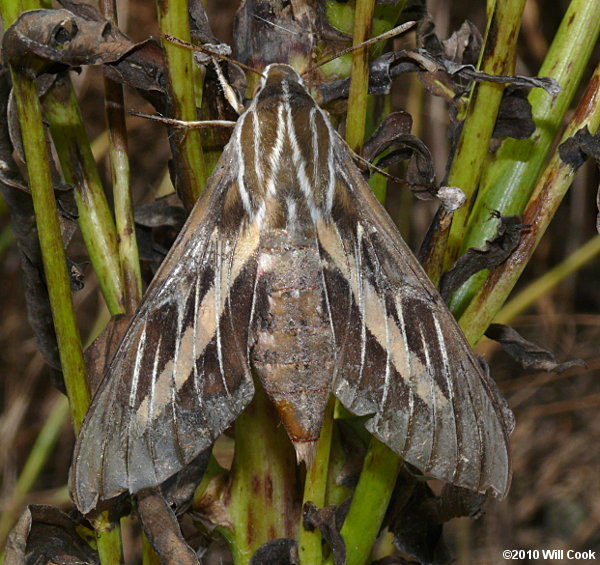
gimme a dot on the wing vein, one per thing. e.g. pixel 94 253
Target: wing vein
pixel 131 399
pixel 450 384
pixel 432 396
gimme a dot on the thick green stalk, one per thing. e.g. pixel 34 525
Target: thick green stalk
pixel 55 263
pixel 498 57
pixel 370 502
pixel 80 170
pixel 119 162
pixel 108 540
pixel 11 9
pixel 186 144
pixel 548 281
pixel 315 489
pixel 356 118
pixel 548 194
pixel 509 178
pixel 263 499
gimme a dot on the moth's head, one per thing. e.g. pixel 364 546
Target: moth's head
pixel 277 78
pixel 276 73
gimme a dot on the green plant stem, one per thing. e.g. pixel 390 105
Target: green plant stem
pixel 80 170
pixel 11 9
pixel 263 499
pixel 510 177
pixel 185 143
pixel 119 161
pixel 548 194
pixel 108 540
pixel 343 16
pixel 38 456
pixel 548 281
pixel 335 492
pixel 498 57
pixel 356 118
pixel 370 502
pixel 55 265
pixel 315 489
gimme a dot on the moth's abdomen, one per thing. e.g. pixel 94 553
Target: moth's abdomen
pixel 294 348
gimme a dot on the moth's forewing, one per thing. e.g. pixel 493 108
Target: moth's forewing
pixel 180 376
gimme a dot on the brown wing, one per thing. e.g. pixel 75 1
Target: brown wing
pixel 403 359
pixel 180 375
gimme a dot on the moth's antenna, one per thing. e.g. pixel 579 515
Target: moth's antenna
pixel 209 52
pixel 387 35
pixel 182 123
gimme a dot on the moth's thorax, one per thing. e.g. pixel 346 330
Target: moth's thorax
pixel 286 169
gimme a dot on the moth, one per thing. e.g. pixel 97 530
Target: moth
pixel 290 270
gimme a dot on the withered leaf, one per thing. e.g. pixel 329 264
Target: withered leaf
pixel 49 41
pixel 162 529
pixel 199 26
pixel 143 68
pixel 329 521
pixel 269 32
pixel 495 252
pixel 282 551
pixel 44 535
pixel 455 502
pixel 354 448
pixel 449 68
pixel 41 39
pixel 514 118
pixel 396 123
pixel 393 134
pixel 179 489
pixel 576 149
pixel 157 225
pixel 165 211
pixel 414 520
pixel 529 355
pixel 464 45
pixel 99 354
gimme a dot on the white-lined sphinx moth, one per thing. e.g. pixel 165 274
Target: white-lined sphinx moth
pixel 288 267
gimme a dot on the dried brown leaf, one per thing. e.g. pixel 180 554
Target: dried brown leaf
pixel 281 551
pixel 528 354
pixel 495 252
pixel 44 534
pixel 162 529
